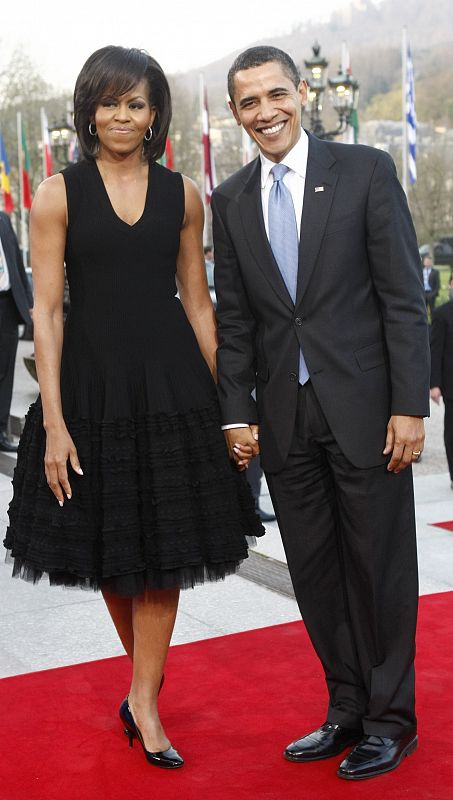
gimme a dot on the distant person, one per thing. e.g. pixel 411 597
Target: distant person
pixel 442 368
pixel 208 251
pixel 123 481
pixel 254 477
pixel 15 303
pixel 209 264
pixel 431 282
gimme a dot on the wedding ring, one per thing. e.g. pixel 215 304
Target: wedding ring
pixel 416 452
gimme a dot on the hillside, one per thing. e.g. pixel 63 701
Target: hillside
pixel 372 31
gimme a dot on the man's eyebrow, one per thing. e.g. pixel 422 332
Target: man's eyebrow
pixel 274 90
pixel 246 100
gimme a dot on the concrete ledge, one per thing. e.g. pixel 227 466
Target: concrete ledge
pixel 268 572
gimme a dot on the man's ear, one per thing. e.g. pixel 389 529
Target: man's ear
pixel 303 92
pixel 234 111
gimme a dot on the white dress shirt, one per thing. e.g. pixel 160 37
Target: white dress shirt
pixel 426 274
pixel 4 274
pixel 294 180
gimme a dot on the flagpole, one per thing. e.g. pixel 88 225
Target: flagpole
pixel 404 107
pixel 43 143
pixel 203 168
pixel 23 223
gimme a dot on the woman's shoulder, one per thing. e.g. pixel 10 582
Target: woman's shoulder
pixel 76 171
pixel 166 174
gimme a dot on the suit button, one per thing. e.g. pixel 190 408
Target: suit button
pixel 293 376
pixel 298 320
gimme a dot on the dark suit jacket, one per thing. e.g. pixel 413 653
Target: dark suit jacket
pixel 20 288
pixel 434 282
pixel 442 349
pixel 360 313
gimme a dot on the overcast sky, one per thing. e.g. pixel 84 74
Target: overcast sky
pixel 60 35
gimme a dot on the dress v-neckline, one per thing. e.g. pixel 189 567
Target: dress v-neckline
pixel 106 194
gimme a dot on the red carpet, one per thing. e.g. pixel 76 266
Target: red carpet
pixel 230 705
pixel 447 525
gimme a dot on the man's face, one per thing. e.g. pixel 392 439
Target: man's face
pixel 269 107
pixel 427 262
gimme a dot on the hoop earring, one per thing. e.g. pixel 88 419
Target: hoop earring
pixel 150 131
pixel 90 131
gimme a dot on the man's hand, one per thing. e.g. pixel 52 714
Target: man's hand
pixel 242 445
pixel 436 394
pixel 405 437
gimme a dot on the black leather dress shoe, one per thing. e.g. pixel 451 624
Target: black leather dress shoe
pixel 327 741
pixel 375 755
pixel 264 516
pixel 6 445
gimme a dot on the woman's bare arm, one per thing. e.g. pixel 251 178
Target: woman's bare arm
pixel 191 276
pixel 48 222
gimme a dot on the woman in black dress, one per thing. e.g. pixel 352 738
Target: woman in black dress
pixel 123 481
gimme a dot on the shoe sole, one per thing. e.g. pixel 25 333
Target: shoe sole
pixel 298 760
pixel 411 748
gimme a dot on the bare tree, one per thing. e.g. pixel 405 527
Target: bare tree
pixel 431 198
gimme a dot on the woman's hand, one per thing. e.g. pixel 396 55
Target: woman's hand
pixel 242 444
pixel 60 448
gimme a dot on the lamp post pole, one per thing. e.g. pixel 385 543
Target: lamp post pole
pixel 343 90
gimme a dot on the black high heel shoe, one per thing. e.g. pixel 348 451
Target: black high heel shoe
pixel 124 711
pixel 166 759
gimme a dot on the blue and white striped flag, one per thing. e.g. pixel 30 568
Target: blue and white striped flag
pixel 411 119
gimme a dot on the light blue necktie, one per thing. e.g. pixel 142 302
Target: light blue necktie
pixel 284 241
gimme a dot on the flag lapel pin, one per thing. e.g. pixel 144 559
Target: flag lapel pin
pixel 319 188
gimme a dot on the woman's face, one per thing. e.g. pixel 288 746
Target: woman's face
pixel 122 122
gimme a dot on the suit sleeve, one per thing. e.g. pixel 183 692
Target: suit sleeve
pixel 236 329
pixel 436 282
pixel 438 335
pixel 397 276
pixel 20 265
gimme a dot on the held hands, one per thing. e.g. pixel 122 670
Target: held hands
pixel 242 444
pixel 405 438
pixel 60 448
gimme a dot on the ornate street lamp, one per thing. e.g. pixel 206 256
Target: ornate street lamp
pixel 317 65
pixel 61 137
pixel 343 92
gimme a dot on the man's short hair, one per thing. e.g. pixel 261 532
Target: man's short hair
pixel 255 57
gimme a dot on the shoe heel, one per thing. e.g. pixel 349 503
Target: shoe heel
pixel 412 747
pixel 130 735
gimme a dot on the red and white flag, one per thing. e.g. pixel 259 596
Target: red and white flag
pixel 249 148
pixel 46 150
pixel 209 178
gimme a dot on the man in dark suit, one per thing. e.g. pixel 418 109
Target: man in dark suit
pixel 431 282
pixel 15 304
pixel 442 368
pixel 321 305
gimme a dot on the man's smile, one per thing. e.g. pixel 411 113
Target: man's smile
pixel 273 130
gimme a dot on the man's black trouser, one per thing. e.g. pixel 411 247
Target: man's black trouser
pixel 349 537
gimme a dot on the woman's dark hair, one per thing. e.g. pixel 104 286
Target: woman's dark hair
pixel 114 71
pixel 255 57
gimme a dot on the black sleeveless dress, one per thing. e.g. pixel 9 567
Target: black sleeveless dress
pixel 160 504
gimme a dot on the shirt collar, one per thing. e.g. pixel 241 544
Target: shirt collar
pixel 295 160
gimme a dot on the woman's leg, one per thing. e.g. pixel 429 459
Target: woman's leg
pixel 120 610
pixel 153 619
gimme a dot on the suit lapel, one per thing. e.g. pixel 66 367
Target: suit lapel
pixel 320 183
pixel 251 213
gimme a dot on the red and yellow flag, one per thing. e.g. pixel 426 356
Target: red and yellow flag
pixel 8 203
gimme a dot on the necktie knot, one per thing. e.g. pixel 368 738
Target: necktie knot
pixel 279 171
